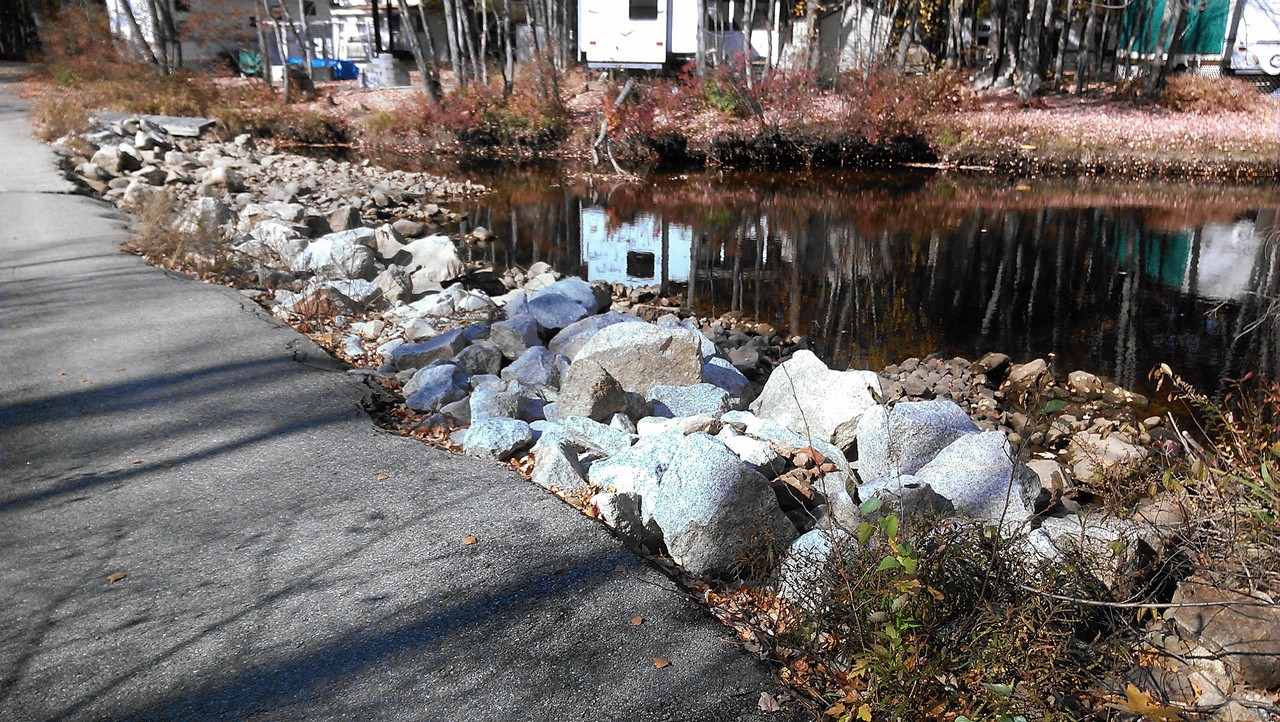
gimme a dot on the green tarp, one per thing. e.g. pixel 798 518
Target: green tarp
pixel 1206 28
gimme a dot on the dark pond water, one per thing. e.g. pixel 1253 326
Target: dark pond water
pixel 1113 277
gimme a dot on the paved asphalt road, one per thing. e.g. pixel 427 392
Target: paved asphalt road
pixel 173 432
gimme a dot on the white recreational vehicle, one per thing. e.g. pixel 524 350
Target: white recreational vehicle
pixel 648 34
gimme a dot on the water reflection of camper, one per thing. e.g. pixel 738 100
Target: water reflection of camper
pixel 635 252
pixel 1217 262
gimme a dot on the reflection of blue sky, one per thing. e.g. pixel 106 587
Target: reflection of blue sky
pixel 605 249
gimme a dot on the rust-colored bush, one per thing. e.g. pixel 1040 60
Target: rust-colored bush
pixel 1198 94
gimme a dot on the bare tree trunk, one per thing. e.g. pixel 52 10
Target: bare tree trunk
pixel 451 34
pixel 1030 77
pixel 304 38
pixel 484 42
pixel 377 27
pixel 406 22
pixel 550 80
pixel 1059 62
pixel 147 51
pixel 748 66
pixel 1157 80
pixel 433 69
pixel 468 39
pixel 904 43
pixel 955 32
pixel 264 56
pixel 508 49
pixel 166 35
pixel 701 53
pixel 1085 53
pixel 775 30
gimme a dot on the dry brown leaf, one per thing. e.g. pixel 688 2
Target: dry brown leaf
pixel 62 373
pixel 659 663
pixel 836 709
pixel 135 462
pixel 1141 703
pixel 768 703
pixel 116 577
pixel 619 569
pixel 119 370
pixel 637 621
pixel 382 477
pixel 469 540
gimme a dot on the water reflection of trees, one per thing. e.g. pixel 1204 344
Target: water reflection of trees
pixel 876 269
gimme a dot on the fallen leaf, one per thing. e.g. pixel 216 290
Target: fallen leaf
pixel 119 370
pixel 836 709
pixel 62 373
pixel 1026 146
pixel 1022 188
pixel 1140 703
pixel 768 703
pixel 659 663
pixel 619 569
pixel 118 576
pixel 137 461
pixel 381 477
pixel 469 540
pixel 637 621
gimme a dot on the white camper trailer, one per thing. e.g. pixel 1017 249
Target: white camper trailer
pixel 647 34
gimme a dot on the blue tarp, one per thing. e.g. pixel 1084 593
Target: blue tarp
pixel 342 69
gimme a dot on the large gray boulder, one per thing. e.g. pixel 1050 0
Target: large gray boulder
pixel 336 257
pixel 280 243
pixel 554 312
pixel 537 369
pixel 344 217
pixel 835 486
pixel 805 396
pixel 903 438
pixel 695 400
pixel 597 437
pixel 515 336
pixel 433 259
pixel 589 390
pixel 431 388
pixel 491 403
pixel 498 439
pixel 438 348
pixel 720 372
pixel 577 291
pixel 983 478
pixel 573 337
pixel 318 294
pixel 636 470
pixel 621 512
pixel 1242 627
pixel 556 465
pixel 480 358
pixel 759 454
pixel 641 356
pixel 714 511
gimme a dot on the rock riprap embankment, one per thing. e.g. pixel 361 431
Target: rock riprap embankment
pixel 716 440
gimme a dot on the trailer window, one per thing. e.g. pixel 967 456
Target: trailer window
pixel 644 9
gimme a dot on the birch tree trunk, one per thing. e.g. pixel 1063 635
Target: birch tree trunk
pixel 419 59
pixel 451 34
